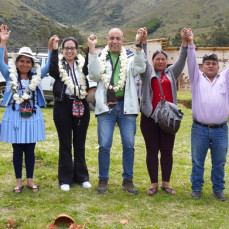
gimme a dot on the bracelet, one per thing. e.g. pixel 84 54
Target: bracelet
pixel 139 45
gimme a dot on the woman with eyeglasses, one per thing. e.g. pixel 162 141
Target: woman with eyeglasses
pixel 156 139
pixel 71 112
pixel 22 122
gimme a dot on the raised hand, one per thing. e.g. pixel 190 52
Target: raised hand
pixel 53 43
pixel 145 35
pixel 4 35
pixel 139 35
pixel 189 36
pixel 92 41
pixel 184 38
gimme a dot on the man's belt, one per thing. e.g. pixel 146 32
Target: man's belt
pixel 213 126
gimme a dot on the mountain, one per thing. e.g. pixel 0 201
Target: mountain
pixel 29 27
pixel 164 18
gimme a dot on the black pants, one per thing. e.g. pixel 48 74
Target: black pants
pixel 70 129
pixel 18 150
pixel 157 140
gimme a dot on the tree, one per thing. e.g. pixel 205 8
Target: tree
pixel 176 41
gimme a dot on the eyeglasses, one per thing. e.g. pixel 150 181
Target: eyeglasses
pixel 69 48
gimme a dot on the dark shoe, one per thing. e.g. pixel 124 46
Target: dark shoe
pixel 151 191
pixel 103 185
pixel 196 194
pixel 170 190
pixel 128 186
pixel 18 189
pixel 220 196
pixel 34 188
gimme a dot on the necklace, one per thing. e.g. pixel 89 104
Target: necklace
pixel 67 81
pixel 14 82
pixel 123 69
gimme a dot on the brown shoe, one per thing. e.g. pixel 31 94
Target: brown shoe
pixel 128 186
pixel 103 185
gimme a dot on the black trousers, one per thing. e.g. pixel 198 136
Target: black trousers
pixel 70 130
pixel 157 140
pixel 28 149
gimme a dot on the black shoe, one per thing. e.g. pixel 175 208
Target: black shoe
pixel 220 196
pixel 129 186
pixel 196 194
pixel 103 185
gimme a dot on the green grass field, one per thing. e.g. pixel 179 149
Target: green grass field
pixel 37 210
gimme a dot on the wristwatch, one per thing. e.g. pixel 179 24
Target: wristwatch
pixel 139 45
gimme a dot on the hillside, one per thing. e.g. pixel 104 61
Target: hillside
pixel 30 27
pixel 164 17
pixel 100 15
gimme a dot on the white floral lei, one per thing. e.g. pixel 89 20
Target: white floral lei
pixel 67 81
pixel 14 82
pixel 123 69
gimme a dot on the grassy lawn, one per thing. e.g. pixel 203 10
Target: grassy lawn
pixel 37 210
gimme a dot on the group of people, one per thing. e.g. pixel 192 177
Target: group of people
pixel 117 103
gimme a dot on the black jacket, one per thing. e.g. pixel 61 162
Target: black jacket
pixel 59 87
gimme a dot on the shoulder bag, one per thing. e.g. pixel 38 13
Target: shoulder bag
pixel 167 115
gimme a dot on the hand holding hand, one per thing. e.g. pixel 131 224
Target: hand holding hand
pixel 145 35
pixel 189 36
pixel 53 43
pixel 184 38
pixel 139 35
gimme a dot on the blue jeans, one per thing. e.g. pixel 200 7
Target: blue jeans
pixel 202 139
pixel 127 126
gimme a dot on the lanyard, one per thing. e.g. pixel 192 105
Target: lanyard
pixel 74 79
pixel 113 70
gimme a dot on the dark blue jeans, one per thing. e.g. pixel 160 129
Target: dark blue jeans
pixel 127 126
pixel 28 149
pixel 202 139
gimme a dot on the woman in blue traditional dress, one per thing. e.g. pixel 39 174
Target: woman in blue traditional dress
pixel 22 122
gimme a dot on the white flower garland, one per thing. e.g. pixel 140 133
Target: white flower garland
pixel 67 81
pixel 123 69
pixel 14 82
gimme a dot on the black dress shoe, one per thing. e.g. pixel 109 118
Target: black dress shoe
pixel 196 194
pixel 220 196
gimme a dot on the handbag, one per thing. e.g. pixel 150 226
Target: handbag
pixel 111 98
pixel 90 98
pixel 26 110
pixel 167 115
pixel 77 108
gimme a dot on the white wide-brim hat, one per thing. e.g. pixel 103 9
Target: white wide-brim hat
pixel 24 51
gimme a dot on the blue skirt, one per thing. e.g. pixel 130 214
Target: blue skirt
pixel 16 129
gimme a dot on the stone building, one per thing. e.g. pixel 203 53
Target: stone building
pixel 183 82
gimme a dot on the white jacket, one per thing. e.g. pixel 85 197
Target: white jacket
pixel 136 65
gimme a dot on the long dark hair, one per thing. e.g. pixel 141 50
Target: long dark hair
pixel 69 39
